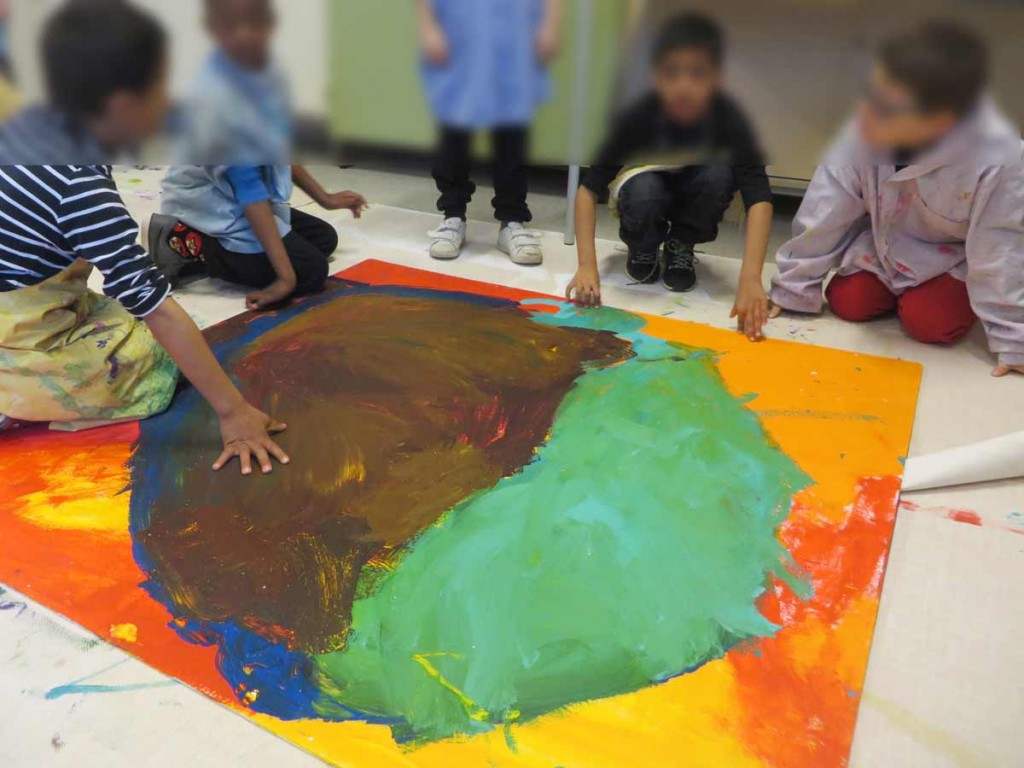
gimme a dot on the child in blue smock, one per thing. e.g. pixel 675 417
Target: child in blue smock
pixel 485 68
pixel 226 201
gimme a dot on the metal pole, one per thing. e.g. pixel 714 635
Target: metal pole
pixel 578 123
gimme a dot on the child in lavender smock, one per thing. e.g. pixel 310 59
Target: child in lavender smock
pixel 920 205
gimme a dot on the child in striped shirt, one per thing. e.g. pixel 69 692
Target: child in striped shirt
pixel 67 354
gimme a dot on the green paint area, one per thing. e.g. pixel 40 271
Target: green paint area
pixel 630 551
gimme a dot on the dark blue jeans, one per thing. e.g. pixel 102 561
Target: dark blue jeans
pixel 686 205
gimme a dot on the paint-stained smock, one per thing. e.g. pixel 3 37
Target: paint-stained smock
pixel 959 210
pixel 493 76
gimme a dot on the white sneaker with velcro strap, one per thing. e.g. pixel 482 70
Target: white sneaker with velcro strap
pixel 521 244
pixel 446 242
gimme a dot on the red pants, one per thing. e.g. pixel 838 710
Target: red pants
pixel 936 312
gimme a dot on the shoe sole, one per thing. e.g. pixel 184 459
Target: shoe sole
pixel 691 289
pixel 439 257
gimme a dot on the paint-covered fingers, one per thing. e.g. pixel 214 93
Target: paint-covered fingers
pixel 1005 370
pixel 585 289
pixel 751 310
pixel 246 434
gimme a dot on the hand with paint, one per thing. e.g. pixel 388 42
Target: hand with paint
pixel 585 288
pixel 751 309
pixel 246 433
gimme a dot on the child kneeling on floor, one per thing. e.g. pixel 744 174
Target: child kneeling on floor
pixel 67 354
pixel 226 201
pixel 673 162
pixel 920 206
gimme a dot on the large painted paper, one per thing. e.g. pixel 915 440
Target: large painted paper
pixel 513 533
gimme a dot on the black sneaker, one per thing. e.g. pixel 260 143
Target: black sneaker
pixel 680 267
pixel 643 268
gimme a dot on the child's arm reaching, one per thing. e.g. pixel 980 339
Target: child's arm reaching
pixel 433 40
pixel 995 264
pixel 751 306
pixel 336 201
pixel 585 287
pixel 244 429
pixel 264 226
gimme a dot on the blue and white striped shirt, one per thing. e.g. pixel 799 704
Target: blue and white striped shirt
pixel 52 215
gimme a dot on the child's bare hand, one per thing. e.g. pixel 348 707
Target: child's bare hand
pixel 275 293
pixel 549 42
pixel 435 45
pixel 1005 370
pixel 751 309
pixel 246 433
pixel 346 201
pixel 774 310
pixel 585 288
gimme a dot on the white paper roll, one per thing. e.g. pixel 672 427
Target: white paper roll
pixel 999 459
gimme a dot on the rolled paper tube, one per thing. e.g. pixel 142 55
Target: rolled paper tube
pixel 1001 458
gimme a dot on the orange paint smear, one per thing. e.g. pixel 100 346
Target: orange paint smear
pixel 88 576
pixel 812 671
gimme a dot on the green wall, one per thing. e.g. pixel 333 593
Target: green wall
pixel 376 95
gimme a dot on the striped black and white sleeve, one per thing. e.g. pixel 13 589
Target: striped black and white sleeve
pixel 97 226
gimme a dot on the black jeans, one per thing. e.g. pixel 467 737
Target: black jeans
pixel 686 205
pixel 310 245
pixel 452 169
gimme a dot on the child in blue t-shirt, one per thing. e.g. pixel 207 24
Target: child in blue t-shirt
pixel 226 200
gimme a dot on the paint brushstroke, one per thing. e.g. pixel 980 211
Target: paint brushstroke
pixel 455 554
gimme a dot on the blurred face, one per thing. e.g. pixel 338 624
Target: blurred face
pixel 132 117
pixel 686 80
pixel 243 30
pixel 889 118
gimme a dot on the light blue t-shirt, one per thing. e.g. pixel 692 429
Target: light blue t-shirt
pixel 494 77
pixel 235 118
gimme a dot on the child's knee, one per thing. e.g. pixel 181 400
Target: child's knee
pixel 312 276
pixel 331 240
pixel 644 198
pixel 932 318
pixel 859 297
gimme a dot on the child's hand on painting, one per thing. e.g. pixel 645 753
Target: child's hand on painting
pixel 1005 370
pixel 434 43
pixel 346 201
pixel 585 288
pixel 246 433
pixel 275 293
pixel 751 309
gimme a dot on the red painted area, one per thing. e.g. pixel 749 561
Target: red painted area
pixel 801 669
pixel 965 516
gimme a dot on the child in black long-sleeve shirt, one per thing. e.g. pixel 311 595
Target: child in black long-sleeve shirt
pixel 673 162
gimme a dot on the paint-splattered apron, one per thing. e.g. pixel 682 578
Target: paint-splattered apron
pixel 68 354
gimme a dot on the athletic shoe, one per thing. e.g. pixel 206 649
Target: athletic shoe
pixel 446 242
pixel 680 267
pixel 643 268
pixel 521 244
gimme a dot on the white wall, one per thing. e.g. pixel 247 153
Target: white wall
pixel 301 45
